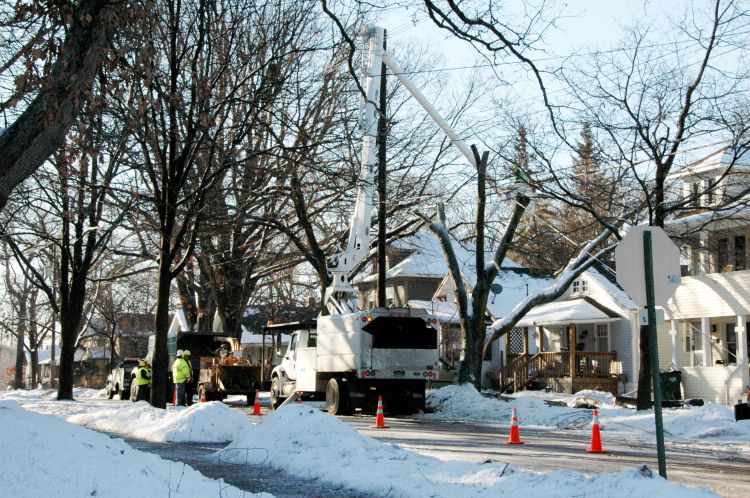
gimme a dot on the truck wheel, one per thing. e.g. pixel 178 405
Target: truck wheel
pixel 133 392
pixel 337 398
pixel 110 392
pixel 276 398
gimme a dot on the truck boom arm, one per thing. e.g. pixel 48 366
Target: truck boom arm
pixel 340 294
pixel 339 298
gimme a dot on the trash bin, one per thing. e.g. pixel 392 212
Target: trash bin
pixel 670 385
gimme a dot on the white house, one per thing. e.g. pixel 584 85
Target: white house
pixel 586 339
pixel 706 334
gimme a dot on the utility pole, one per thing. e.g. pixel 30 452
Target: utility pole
pixel 382 136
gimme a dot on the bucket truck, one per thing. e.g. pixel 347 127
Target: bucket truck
pixel 353 356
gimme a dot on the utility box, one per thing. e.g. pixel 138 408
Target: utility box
pixel 670 385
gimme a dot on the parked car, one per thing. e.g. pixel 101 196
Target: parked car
pixel 118 381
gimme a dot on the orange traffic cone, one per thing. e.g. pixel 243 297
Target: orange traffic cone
pixel 515 432
pixel 596 438
pixel 174 396
pixel 379 419
pixel 256 406
pixel 203 395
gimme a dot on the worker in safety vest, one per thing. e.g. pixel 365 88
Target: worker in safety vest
pixel 182 374
pixel 143 381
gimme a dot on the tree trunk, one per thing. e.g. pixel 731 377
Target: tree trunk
pixel 18 380
pixel 71 311
pixel 34 356
pixel 161 328
pixel 644 371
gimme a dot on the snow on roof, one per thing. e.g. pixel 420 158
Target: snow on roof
pixel 516 286
pixel 253 338
pixel 620 296
pixel 443 311
pixel 428 261
pixel 732 216
pixel 43 356
pixel 716 161
pixel 566 312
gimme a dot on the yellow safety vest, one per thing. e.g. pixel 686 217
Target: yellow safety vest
pixel 181 371
pixel 143 376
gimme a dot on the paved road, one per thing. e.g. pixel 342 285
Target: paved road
pixel 726 472
pixel 251 478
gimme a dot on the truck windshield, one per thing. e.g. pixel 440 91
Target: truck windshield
pixel 390 332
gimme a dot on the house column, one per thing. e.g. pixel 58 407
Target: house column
pixel 525 340
pixel 540 331
pixel 572 350
pixel 703 256
pixel 706 339
pixel 742 359
pixel 675 344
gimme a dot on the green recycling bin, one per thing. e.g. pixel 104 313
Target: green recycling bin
pixel 670 385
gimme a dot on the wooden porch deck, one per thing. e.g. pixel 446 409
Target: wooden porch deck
pixel 563 371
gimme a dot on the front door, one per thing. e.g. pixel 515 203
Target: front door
pixel 731 337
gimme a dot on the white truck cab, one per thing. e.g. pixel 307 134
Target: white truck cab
pixel 354 358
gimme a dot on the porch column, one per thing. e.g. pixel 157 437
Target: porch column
pixel 525 340
pixel 706 339
pixel 572 349
pixel 675 344
pixel 703 256
pixel 742 360
pixel 540 331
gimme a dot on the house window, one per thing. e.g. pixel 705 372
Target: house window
pixel 722 255
pixel 694 197
pixel 740 261
pixel 580 286
pixel 602 338
pixel 692 340
pixel 709 184
pixel 731 329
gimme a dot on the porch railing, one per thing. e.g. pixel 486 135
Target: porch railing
pixel 524 368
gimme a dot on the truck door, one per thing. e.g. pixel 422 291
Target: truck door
pixel 289 363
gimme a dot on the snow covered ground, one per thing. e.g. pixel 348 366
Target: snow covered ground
pixel 321 445
pixel 48 455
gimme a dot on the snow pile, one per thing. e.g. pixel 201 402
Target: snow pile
pixel 51 455
pixel 463 402
pixel 710 421
pixel 212 422
pixel 315 445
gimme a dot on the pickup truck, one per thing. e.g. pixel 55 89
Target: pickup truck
pixel 118 381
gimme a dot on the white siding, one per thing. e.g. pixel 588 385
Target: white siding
pixel 620 341
pixel 719 384
pixel 716 294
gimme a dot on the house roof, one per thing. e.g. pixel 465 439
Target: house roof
pixel 427 259
pixel 577 311
pixel 443 311
pixel 715 162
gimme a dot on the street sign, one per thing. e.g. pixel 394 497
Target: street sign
pixel 631 273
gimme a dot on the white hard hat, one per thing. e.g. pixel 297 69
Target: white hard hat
pixel 179 352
